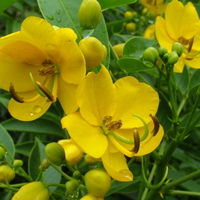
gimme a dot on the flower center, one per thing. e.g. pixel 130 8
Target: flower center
pixel 110 125
pixel 48 68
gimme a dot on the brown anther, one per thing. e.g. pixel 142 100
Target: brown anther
pixel 47 71
pixel 106 120
pixel 45 91
pixel 191 41
pixel 114 125
pixel 47 63
pixel 136 138
pixel 156 124
pixel 183 41
pixel 14 95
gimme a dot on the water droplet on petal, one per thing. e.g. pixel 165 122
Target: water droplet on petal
pixel 37 109
pixel 49 16
pixel 31 113
pixel 127 173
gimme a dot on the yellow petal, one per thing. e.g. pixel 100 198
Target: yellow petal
pixel 151 142
pixel 181 20
pixel 116 166
pixel 40 33
pixel 134 97
pixel 28 111
pixel 17 73
pixel 71 62
pixel 178 67
pixel 90 138
pixel 164 39
pixel 194 63
pixel 67 96
pixel 97 97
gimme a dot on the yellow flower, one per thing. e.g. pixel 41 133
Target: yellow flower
pixel 156 6
pixel 181 24
pixel 38 65
pixel 109 124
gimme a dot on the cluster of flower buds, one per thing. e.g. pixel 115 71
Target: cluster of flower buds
pixel 89 14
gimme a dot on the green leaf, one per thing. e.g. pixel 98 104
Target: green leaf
pixel 36 157
pixel 133 65
pixel 7 141
pixel 136 46
pixel 42 126
pixel 24 148
pixel 182 80
pixel 4 4
pixel 105 4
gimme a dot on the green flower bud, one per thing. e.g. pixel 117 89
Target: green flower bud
pixel 173 58
pixel 2 153
pixel 162 51
pixel 93 50
pixel 89 14
pixel 17 163
pixel 32 191
pixel 151 54
pixel 71 186
pixel 97 182
pixel 130 27
pixel 178 48
pixel 77 174
pixel 45 165
pixel 6 174
pixel 128 14
pixel 90 160
pixel 55 153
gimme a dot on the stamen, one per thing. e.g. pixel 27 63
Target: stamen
pixel 106 120
pixel 47 71
pixel 114 125
pixel 191 41
pixel 47 63
pixel 14 95
pixel 156 125
pixel 136 140
pixel 45 91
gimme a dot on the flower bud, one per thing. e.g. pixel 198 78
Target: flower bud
pixel 93 50
pixel 77 174
pixel 32 191
pixel 73 154
pixel 178 48
pixel 90 160
pixel 45 165
pixel 118 48
pixel 128 14
pixel 89 14
pixel 130 27
pixel 91 197
pixel 97 182
pixel 55 153
pixel 173 58
pixel 150 54
pixel 71 186
pixel 162 51
pixel 17 163
pixel 2 153
pixel 6 174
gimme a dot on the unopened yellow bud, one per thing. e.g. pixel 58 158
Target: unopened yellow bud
pixel 73 154
pixel 32 191
pixel 89 14
pixel 55 153
pixel 118 48
pixel 93 50
pixel 128 14
pixel 97 182
pixel 91 197
pixel 130 27
pixel 2 153
pixel 6 174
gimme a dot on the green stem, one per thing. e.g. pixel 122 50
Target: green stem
pixel 172 184
pixel 180 192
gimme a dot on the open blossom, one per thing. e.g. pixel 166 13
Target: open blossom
pixel 38 65
pixel 181 24
pixel 111 121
